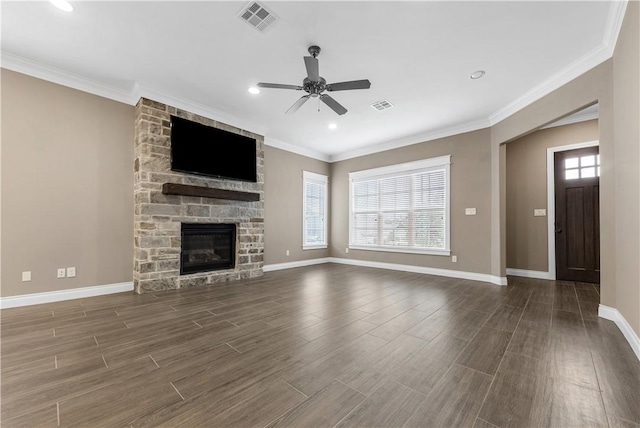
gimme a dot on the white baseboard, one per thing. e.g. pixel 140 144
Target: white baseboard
pixel 299 263
pixel 57 296
pixel 614 315
pixel 392 266
pixel 485 277
pixel 530 273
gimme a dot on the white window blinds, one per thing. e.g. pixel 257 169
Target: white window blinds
pixel 315 210
pixel 402 208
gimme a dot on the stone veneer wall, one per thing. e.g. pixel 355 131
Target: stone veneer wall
pixel 158 217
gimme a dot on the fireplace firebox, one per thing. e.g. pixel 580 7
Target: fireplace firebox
pixel 207 247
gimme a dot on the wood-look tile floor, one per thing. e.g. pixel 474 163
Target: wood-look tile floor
pixel 327 345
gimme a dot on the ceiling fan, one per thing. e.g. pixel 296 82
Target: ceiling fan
pixel 314 85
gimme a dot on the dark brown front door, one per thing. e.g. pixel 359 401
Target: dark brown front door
pixel 577 185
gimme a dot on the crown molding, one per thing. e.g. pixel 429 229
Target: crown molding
pixel 413 139
pixel 61 77
pixel 131 96
pixel 614 24
pixel 591 59
pixel 46 72
pixel 272 142
pixel 576 68
pixel 199 109
pixel 574 118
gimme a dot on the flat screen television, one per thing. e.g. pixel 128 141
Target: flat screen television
pixel 205 150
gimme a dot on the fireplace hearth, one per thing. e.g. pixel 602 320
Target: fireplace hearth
pixel 207 247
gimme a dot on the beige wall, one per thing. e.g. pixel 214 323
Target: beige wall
pixel 526 187
pixel 593 86
pixel 283 205
pixel 626 96
pixel 614 85
pixel 67 186
pixel 470 188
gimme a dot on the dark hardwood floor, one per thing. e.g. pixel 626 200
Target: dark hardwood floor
pixel 327 345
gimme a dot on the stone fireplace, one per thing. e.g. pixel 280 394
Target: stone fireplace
pixel 166 220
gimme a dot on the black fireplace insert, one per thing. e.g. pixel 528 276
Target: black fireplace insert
pixel 207 247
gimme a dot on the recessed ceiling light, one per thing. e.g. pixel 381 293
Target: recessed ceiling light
pixel 62 5
pixel 332 126
pixel 477 74
pixel 253 90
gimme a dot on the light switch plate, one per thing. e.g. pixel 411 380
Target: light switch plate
pixel 469 211
pixel 539 212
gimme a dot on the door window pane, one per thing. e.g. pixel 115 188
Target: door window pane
pixel 588 172
pixel 571 163
pixel 571 174
pixel 587 160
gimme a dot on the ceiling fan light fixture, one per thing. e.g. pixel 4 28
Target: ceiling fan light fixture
pixel 63 5
pixel 254 91
pixel 477 74
pixel 315 85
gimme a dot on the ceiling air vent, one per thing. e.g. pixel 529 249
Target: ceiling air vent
pixel 257 16
pixel 382 105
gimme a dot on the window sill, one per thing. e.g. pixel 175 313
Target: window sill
pixel 315 247
pixel 402 250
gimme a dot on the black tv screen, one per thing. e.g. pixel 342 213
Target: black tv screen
pixel 204 150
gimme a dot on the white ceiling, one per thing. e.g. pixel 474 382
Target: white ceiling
pixel 418 55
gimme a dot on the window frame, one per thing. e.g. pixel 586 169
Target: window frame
pixel 308 176
pixel 408 168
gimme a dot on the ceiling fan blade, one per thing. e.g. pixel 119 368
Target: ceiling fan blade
pixel 313 70
pixel 294 108
pixel 333 104
pixel 278 86
pixel 353 84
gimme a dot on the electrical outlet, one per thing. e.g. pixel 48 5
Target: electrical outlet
pixel 287 252
pixel 71 272
pixel 540 212
pixel 469 211
pixel 346 250
pixel 26 276
pixel 454 259
pixel 62 272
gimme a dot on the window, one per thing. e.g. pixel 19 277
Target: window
pixel 402 208
pixel 582 167
pixel 314 210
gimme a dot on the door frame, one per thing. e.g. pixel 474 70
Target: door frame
pixel 551 200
